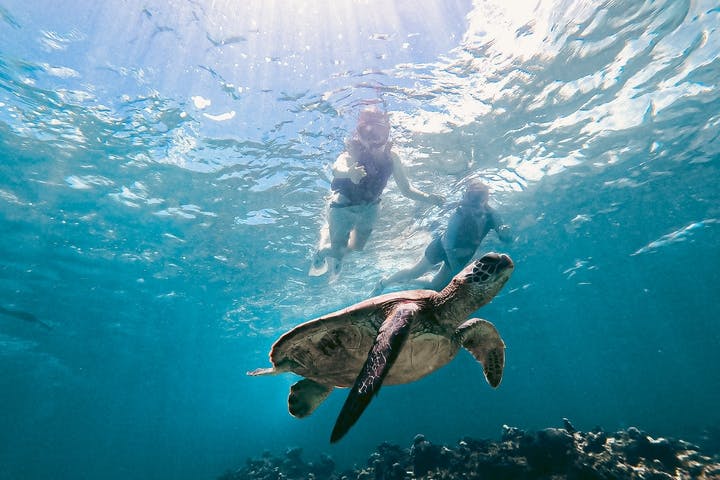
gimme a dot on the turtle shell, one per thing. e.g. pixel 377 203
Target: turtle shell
pixel 332 349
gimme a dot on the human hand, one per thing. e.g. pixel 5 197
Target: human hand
pixel 356 173
pixel 505 233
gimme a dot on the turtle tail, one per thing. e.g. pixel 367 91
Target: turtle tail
pixel 262 371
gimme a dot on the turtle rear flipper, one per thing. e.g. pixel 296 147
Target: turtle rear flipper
pixel 388 343
pixel 483 341
pixel 305 396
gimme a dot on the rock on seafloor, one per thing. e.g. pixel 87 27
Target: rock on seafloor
pixel 552 453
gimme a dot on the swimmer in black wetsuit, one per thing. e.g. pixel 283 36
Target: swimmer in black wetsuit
pixel 470 223
pixel 360 175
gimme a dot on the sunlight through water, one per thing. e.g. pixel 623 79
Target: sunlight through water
pixel 164 171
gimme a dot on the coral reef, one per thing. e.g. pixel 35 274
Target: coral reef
pixel 552 453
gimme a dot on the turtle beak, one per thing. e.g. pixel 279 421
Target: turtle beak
pixel 505 262
pixel 497 261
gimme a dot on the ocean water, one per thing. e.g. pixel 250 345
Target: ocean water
pixel 163 172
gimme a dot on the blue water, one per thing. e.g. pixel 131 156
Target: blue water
pixel 163 169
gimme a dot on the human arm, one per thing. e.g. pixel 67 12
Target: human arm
pixel 408 189
pixel 346 167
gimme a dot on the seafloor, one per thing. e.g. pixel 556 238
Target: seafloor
pixel 552 453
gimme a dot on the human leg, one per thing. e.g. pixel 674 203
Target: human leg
pixel 366 215
pixel 319 264
pixel 341 221
pixel 332 244
pixel 405 275
pixel 446 273
pixel 434 254
pixel 442 278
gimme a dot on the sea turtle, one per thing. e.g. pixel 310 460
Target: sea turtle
pixel 394 338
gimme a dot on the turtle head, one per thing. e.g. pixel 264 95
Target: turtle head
pixel 480 281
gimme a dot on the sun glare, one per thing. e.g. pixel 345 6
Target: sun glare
pixel 331 36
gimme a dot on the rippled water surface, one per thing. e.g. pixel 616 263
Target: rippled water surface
pixel 163 173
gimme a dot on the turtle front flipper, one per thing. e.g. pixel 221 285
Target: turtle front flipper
pixel 305 396
pixel 388 343
pixel 482 339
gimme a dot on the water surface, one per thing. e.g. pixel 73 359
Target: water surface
pixel 162 180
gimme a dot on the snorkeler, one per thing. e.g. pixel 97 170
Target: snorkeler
pixel 468 226
pixel 360 175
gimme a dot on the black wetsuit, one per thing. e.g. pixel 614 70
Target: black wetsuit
pixel 465 232
pixel 371 186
